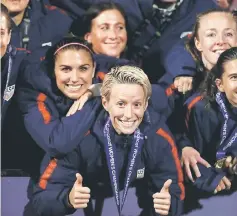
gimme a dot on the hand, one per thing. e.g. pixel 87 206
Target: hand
pixel 190 158
pixel 225 4
pixel 162 199
pixel 183 83
pixel 79 103
pixel 231 165
pixel 79 196
pixel 223 184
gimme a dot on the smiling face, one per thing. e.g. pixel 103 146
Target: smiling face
pixel 228 81
pixel 108 33
pixel 74 71
pixel 126 106
pixel 217 33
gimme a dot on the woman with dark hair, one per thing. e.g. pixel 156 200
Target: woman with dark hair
pixel 50 96
pixel 105 28
pixel 212 129
pixel 216 133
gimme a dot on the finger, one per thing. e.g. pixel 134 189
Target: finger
pixel 190 86
pixel 203 162
pixel 81 201
pixel 79 179
pixel 84 190
pixel 162 196
pixel 228 161
pixel 176 82
pixel 80 195
pixel 161 212
pixel 166 186
pixel 196 170
pixel 227 182
pixel 185 87
pixel 72 109
pixel 161 207
pixel 218 188
pixel 188 171
pixel 221 185
pixel 161 201
pixel 79 206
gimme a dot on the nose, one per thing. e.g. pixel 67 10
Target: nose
pixel 128 112
pixel 74 76
pixel 220 40
pixel 112 34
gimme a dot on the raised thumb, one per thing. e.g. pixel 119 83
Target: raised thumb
pixel 166 186
pixel 79 179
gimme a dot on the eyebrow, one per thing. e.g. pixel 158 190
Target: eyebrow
pixel 71 66
pixel 118 23
pixel 214 29
pixel 232 74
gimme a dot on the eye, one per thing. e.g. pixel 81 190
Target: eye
pixel 84 68
pixel 229 34
pixel 104 27
pixel 138 105
pixel 121 104
pixel 234 77
pixel 120 27
pixel 66 69
pixel 2 33
pixel 211 34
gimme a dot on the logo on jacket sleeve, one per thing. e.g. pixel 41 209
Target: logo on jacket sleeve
pixel 8 93
pixel 140 173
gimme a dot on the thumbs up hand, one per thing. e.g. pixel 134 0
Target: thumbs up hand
pixel 79 196
pixel 162 199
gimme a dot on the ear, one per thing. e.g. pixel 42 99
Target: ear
pixel 219 85
pixel 105 103
pixel 198 44
pixel 87 37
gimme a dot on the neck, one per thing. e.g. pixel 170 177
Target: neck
pixel 17 18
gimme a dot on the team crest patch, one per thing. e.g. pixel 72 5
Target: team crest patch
pixel 8 93
pixel 140 173
pixel 186 34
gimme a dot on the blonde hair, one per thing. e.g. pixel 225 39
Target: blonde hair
pixel 125 75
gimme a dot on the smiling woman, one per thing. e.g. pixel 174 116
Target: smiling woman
pixel 105 28
pixel 51 93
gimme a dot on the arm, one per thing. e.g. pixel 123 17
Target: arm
pixel 164 164
pixel 197 122
pixel 55 134
pixel 51 193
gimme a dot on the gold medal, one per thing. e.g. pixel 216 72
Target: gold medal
pixel 219 164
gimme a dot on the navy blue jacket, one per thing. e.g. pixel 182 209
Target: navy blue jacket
pixel 204 121
pixel 159 157
pixel 11 63
pixel 48 25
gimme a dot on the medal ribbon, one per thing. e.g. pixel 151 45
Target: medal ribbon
pixel 112 162
pixel 226 141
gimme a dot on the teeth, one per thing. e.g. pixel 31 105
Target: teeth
pixel 73 87
pixel 127 123
pixel 219 51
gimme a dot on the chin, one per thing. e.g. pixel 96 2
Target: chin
pixel 127 131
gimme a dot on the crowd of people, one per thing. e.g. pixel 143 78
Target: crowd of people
pixel 101 96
